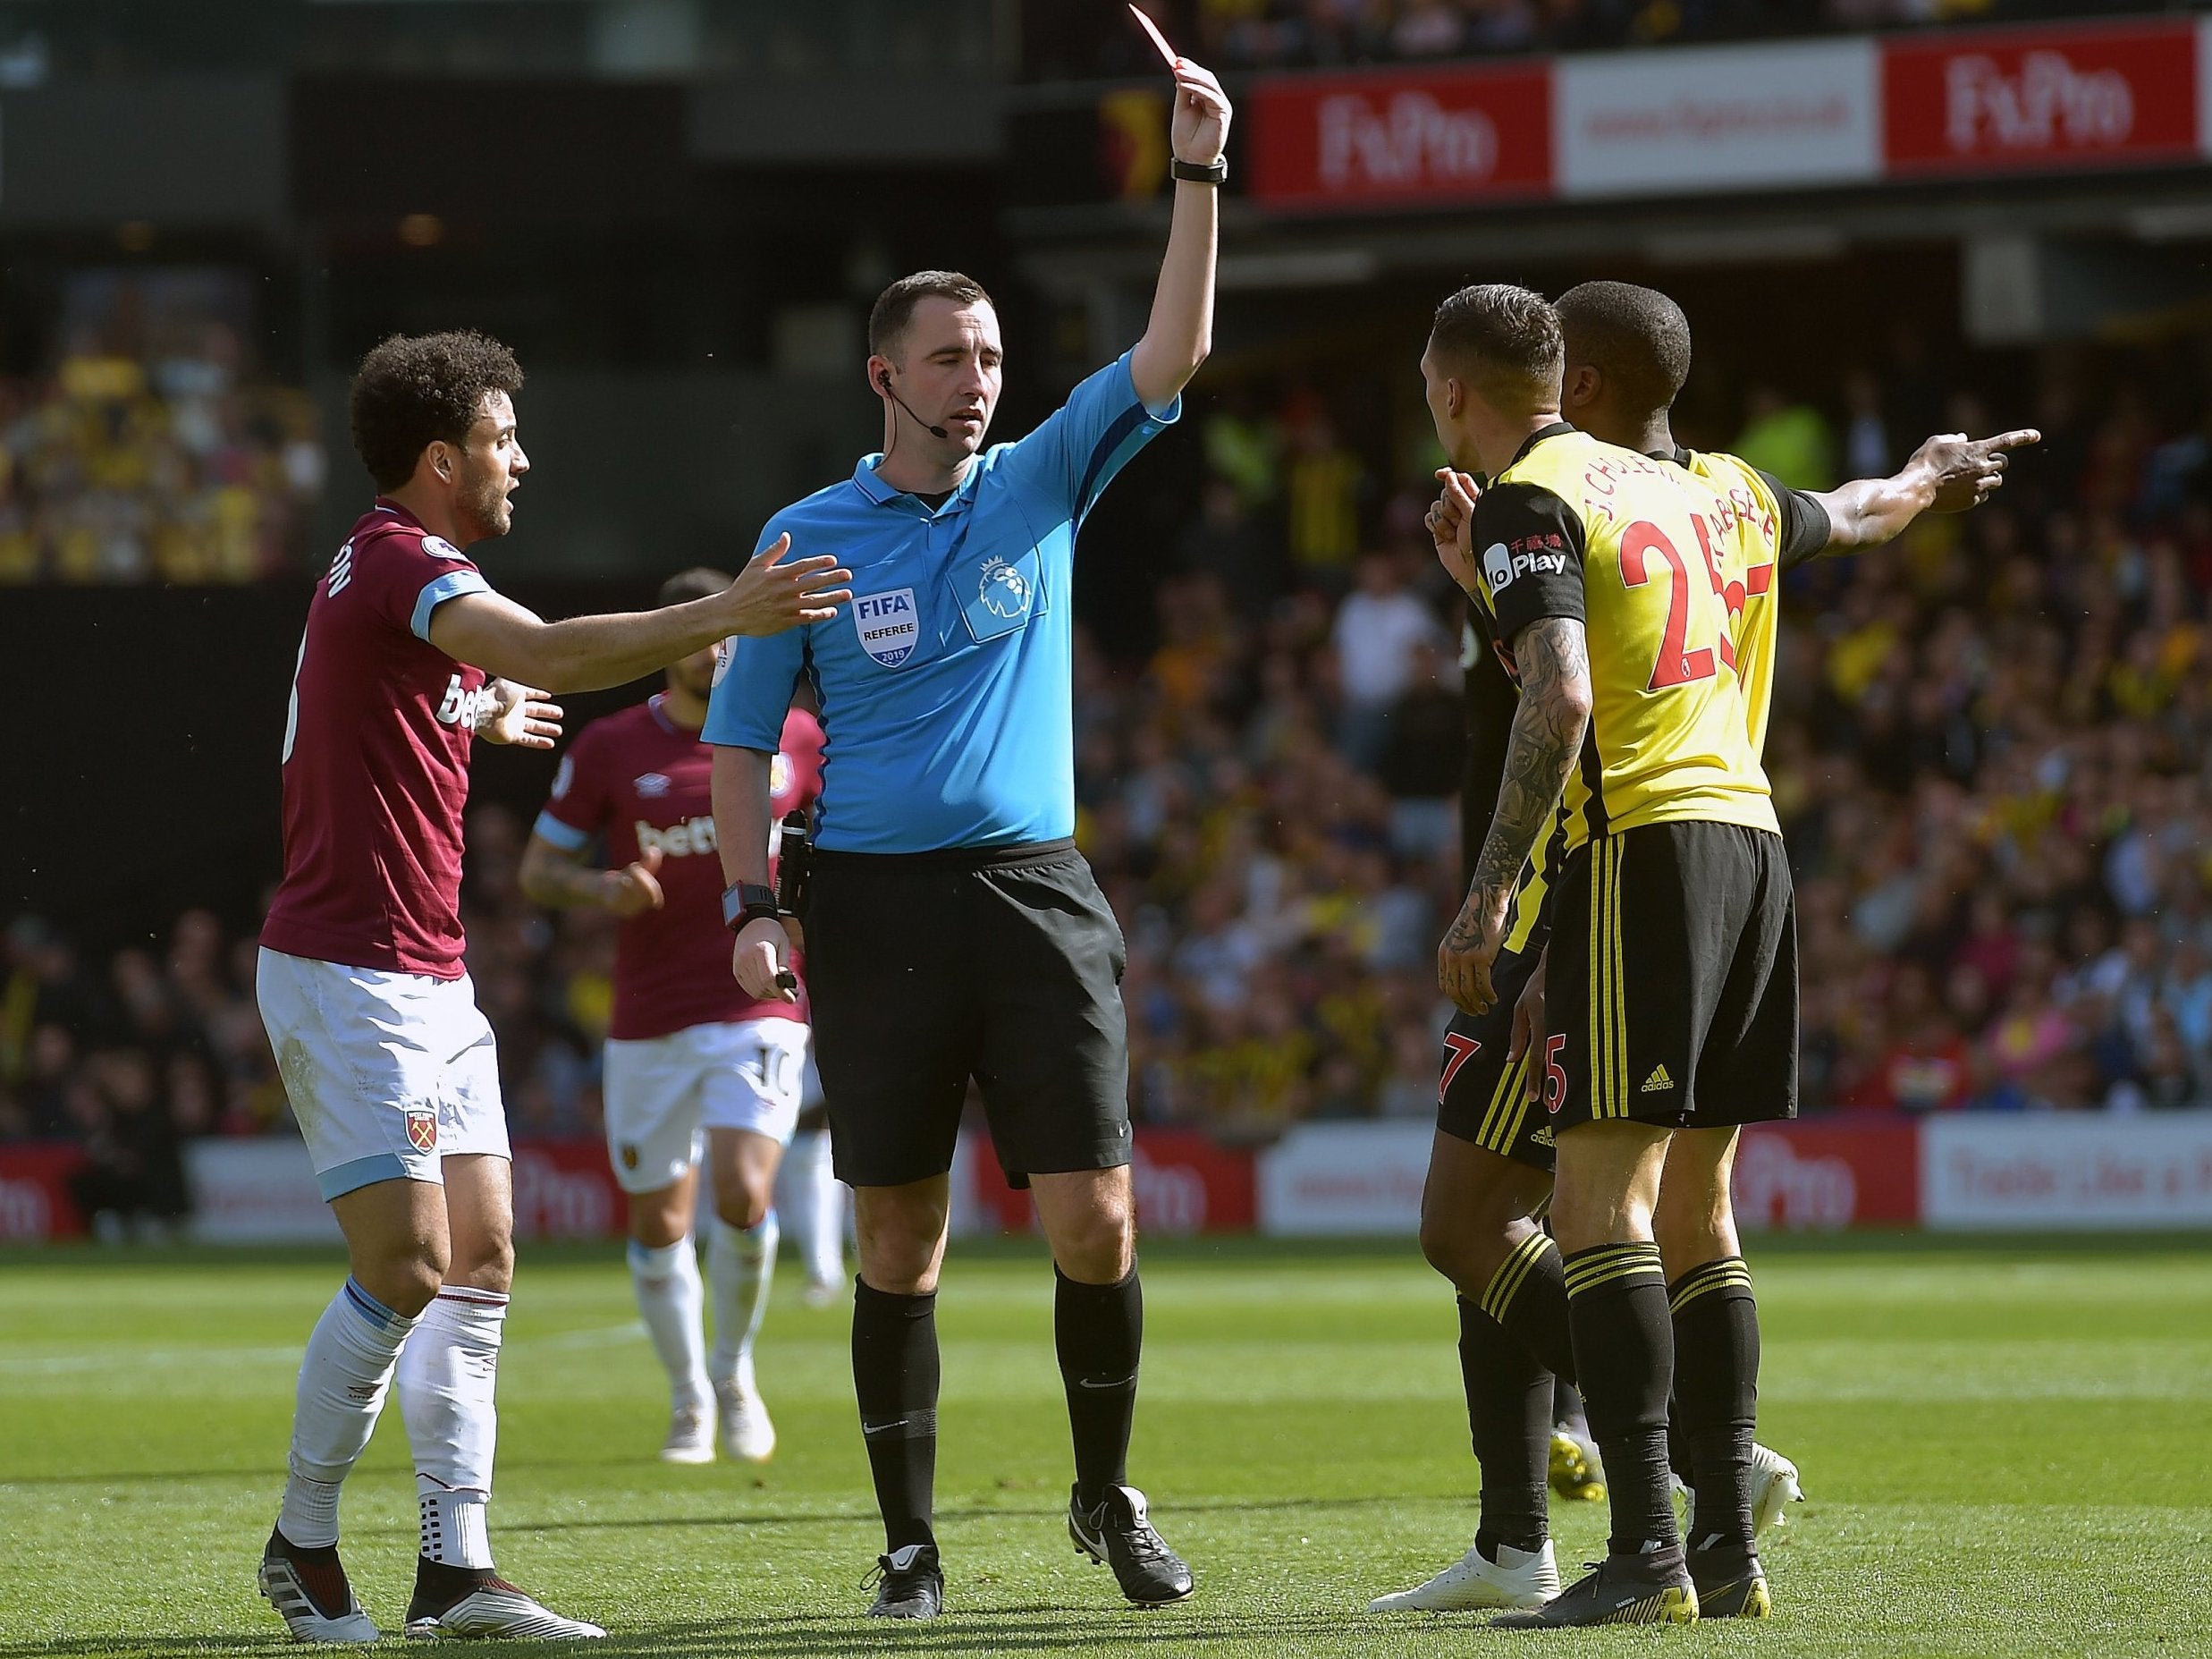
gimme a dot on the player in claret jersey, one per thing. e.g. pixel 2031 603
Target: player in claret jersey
pixel 407 656
pixel 689 1049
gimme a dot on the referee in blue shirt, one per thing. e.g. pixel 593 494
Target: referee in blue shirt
pixel 952 930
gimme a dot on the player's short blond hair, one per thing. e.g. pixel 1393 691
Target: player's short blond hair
pixel 1504 342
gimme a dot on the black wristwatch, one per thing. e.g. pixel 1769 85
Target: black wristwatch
pixel 1191 173
pixel 746 903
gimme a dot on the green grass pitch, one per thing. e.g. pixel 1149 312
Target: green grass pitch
pixel 2008 1446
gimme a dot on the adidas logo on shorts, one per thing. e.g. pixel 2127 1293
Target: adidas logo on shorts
pixel 1658 1082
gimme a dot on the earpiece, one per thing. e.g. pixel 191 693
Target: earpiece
pixel 882 378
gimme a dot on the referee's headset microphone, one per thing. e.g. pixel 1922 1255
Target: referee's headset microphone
pixel 882 378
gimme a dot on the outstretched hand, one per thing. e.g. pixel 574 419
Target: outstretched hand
pixel 1968 471
pixel 519 715
pixel 772 594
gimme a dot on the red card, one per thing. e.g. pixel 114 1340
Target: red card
pixel 1151 30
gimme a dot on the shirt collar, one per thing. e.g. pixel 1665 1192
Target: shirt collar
pixel 1536 437
pixel 385 504
pixel 866 480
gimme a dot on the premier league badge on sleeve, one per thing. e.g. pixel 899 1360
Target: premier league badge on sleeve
pixel 888 625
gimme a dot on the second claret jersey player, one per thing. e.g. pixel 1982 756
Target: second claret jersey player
pixel 694 1065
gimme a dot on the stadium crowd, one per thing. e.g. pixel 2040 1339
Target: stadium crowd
pixel 1286 34
pixel 1990 751
pixel 124 466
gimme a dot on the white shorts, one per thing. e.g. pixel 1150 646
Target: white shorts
pixel 663 1093
pixel 387 1073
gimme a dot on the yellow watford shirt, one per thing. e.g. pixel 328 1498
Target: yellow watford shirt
pixel 1781 527
pixel 1652 559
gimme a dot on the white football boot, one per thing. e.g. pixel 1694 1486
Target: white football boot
pixel 1516 1578
pixel 314 1597
pixel 690 1434
pixel 747 1432
pixel 1773 1488
pixel 497 1608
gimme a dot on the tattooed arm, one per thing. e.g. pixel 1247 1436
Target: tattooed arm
pixel 1554 664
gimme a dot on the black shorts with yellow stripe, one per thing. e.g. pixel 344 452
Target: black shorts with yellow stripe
pixel 1673 987
pixel 1480 1096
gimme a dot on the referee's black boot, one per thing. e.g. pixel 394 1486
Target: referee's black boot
pixel 1117 1532
pixel 910 1583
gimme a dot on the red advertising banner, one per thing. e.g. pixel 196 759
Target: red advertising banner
pixel 1827 1174
pixel 2039 99
pixel 35 1201
pixel 1186 1184
pixel 1445 135
pixel 565 1189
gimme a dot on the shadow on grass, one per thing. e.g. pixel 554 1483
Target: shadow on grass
pixel 261 1472
pixel 999 1630
pixel 1008 1511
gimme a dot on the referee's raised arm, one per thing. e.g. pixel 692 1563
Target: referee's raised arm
pixel 1181 332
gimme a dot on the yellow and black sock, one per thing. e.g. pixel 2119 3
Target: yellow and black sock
pixel 1509 1422
pixel 1716 1320
pixel 1527 1295
pixel 1624 1358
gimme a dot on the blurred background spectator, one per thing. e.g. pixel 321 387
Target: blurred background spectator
pixel 148 452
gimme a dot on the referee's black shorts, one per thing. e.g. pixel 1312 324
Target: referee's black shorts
pixel 999 964
pixel 1672 992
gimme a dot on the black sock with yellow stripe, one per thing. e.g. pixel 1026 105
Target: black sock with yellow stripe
pixel 1509 1423
pixel 1527 1295
pixel 1715 1322
pixel 1625 1361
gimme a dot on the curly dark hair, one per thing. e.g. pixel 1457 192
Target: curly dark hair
pixel 414 388
pixel 1502 340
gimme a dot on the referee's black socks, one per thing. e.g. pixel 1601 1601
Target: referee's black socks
pixel 1717 1393
pixel 895 1381
pixel 1099 1331
pixel 1625 1361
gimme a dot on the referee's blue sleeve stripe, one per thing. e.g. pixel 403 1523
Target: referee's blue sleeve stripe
pixel 450 586
pixel 565 837
pixel 1105 456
